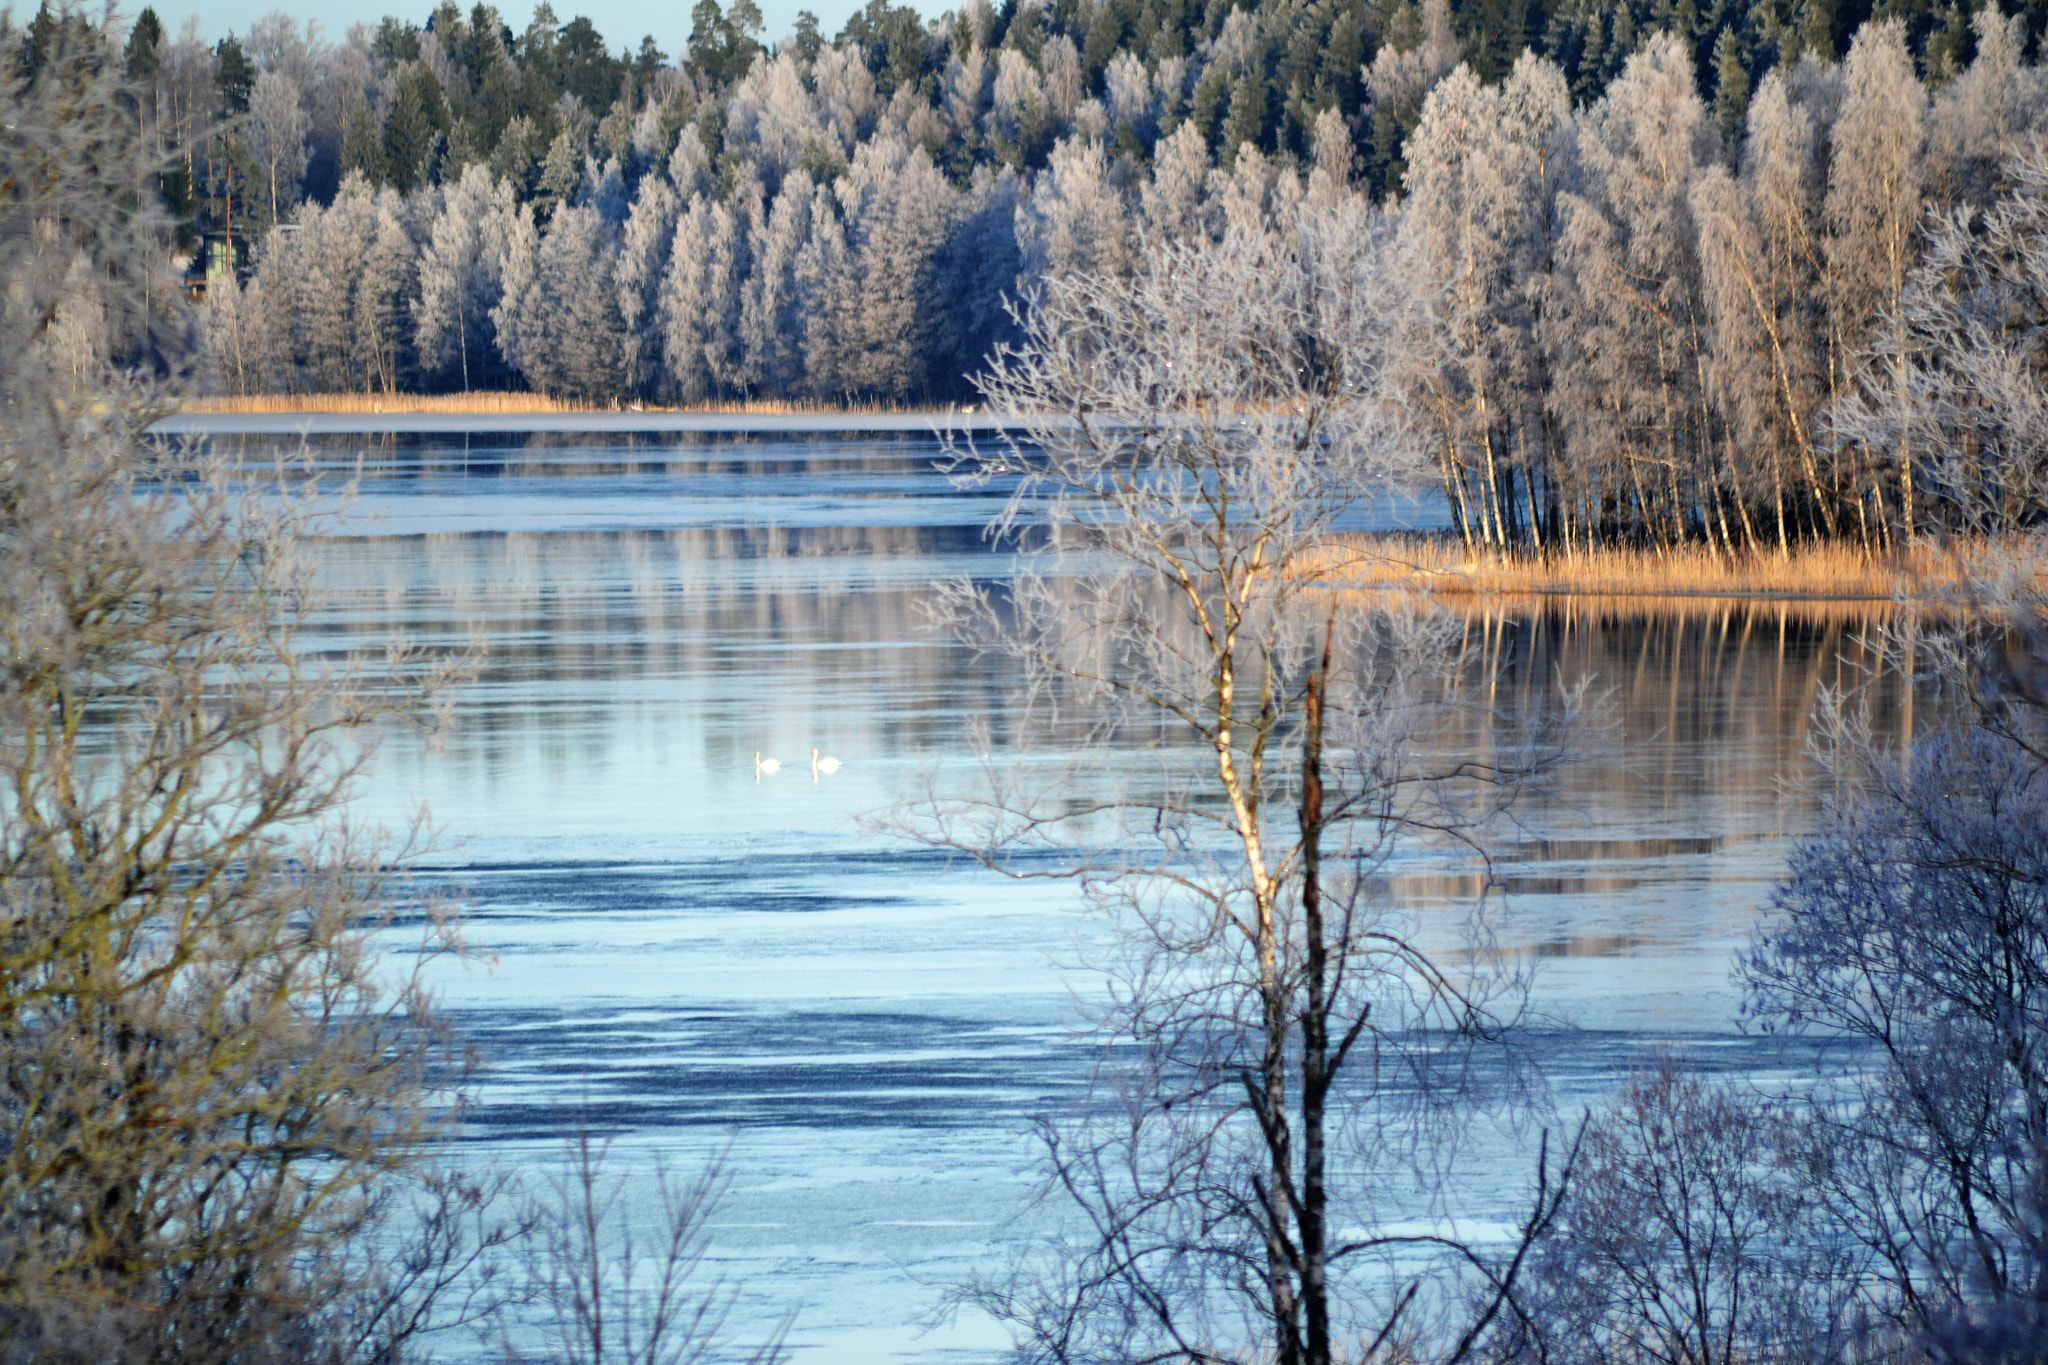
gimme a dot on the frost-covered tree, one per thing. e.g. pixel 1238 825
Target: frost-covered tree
pixel 277 133
pixel 1171 200
pixel 560 313
pixel 1628 359
pixel 846 100
pixel 1761 259
pixel 1876 179
pixel 345 279
pixel 461 280
pixel 1981 120
pixel 771 119
pixel 1076 221
pixel 975 277
pixel 1967 361
pixel 644 246
pixel 699 306
pixel 1017 120
pixel 900 211
pixel 822 269
pixel 1474 235
pixel 771 312
pixel 1400 77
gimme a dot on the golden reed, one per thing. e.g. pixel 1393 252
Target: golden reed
pixel 1838 573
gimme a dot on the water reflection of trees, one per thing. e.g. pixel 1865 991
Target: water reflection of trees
pixel 702 641
pixel 590 638
pixel 1697 772
pixel 546 455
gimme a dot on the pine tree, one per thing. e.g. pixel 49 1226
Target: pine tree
pixel 642 261
pixel 415 127
pixel 560 173
pixel 234 75
pixel 771 322
pixel 145 42
pixel 362 145
pixel 1731 89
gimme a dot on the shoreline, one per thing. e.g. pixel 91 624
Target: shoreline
pixel 1432 563
pixel 309 422
pixel 1696 575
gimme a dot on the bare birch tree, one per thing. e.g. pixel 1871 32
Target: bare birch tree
pixel 1761 263
pixel 1249 757
pixel 1873 213
pixel 277 132
pixel 1630 388
pixel 1475 230
pixel 1957 370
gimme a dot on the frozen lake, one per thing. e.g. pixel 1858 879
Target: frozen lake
pixel 685 955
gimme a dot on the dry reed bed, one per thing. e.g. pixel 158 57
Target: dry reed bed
pixel 1749 611
pixel 1833 573
pixel 474 404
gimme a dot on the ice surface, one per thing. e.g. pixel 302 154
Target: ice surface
pixel 682 954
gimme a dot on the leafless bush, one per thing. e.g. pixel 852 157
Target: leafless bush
pixel 1914 926
pixel 616 1267
pixel 1689 1238
pixel 220 1108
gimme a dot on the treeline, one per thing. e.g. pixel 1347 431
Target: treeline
pixel 1632 324
pixel 1702 300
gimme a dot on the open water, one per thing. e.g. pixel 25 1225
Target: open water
pixel 686 955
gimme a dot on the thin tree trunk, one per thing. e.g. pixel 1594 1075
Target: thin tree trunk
pixel 1315 1033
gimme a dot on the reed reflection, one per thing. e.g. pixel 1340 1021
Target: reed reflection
pixel 1659 849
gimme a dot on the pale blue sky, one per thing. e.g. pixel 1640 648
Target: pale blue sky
pixel 622 22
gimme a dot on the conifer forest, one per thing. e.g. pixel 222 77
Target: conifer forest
pixel 1678 271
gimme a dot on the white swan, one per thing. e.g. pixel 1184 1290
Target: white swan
pixel 768 766
pixel 827 765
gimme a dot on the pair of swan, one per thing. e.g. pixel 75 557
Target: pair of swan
pixel 768 767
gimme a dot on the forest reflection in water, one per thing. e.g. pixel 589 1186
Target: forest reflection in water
pixel 1657 850
pixel 681 950
pixel 629 676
